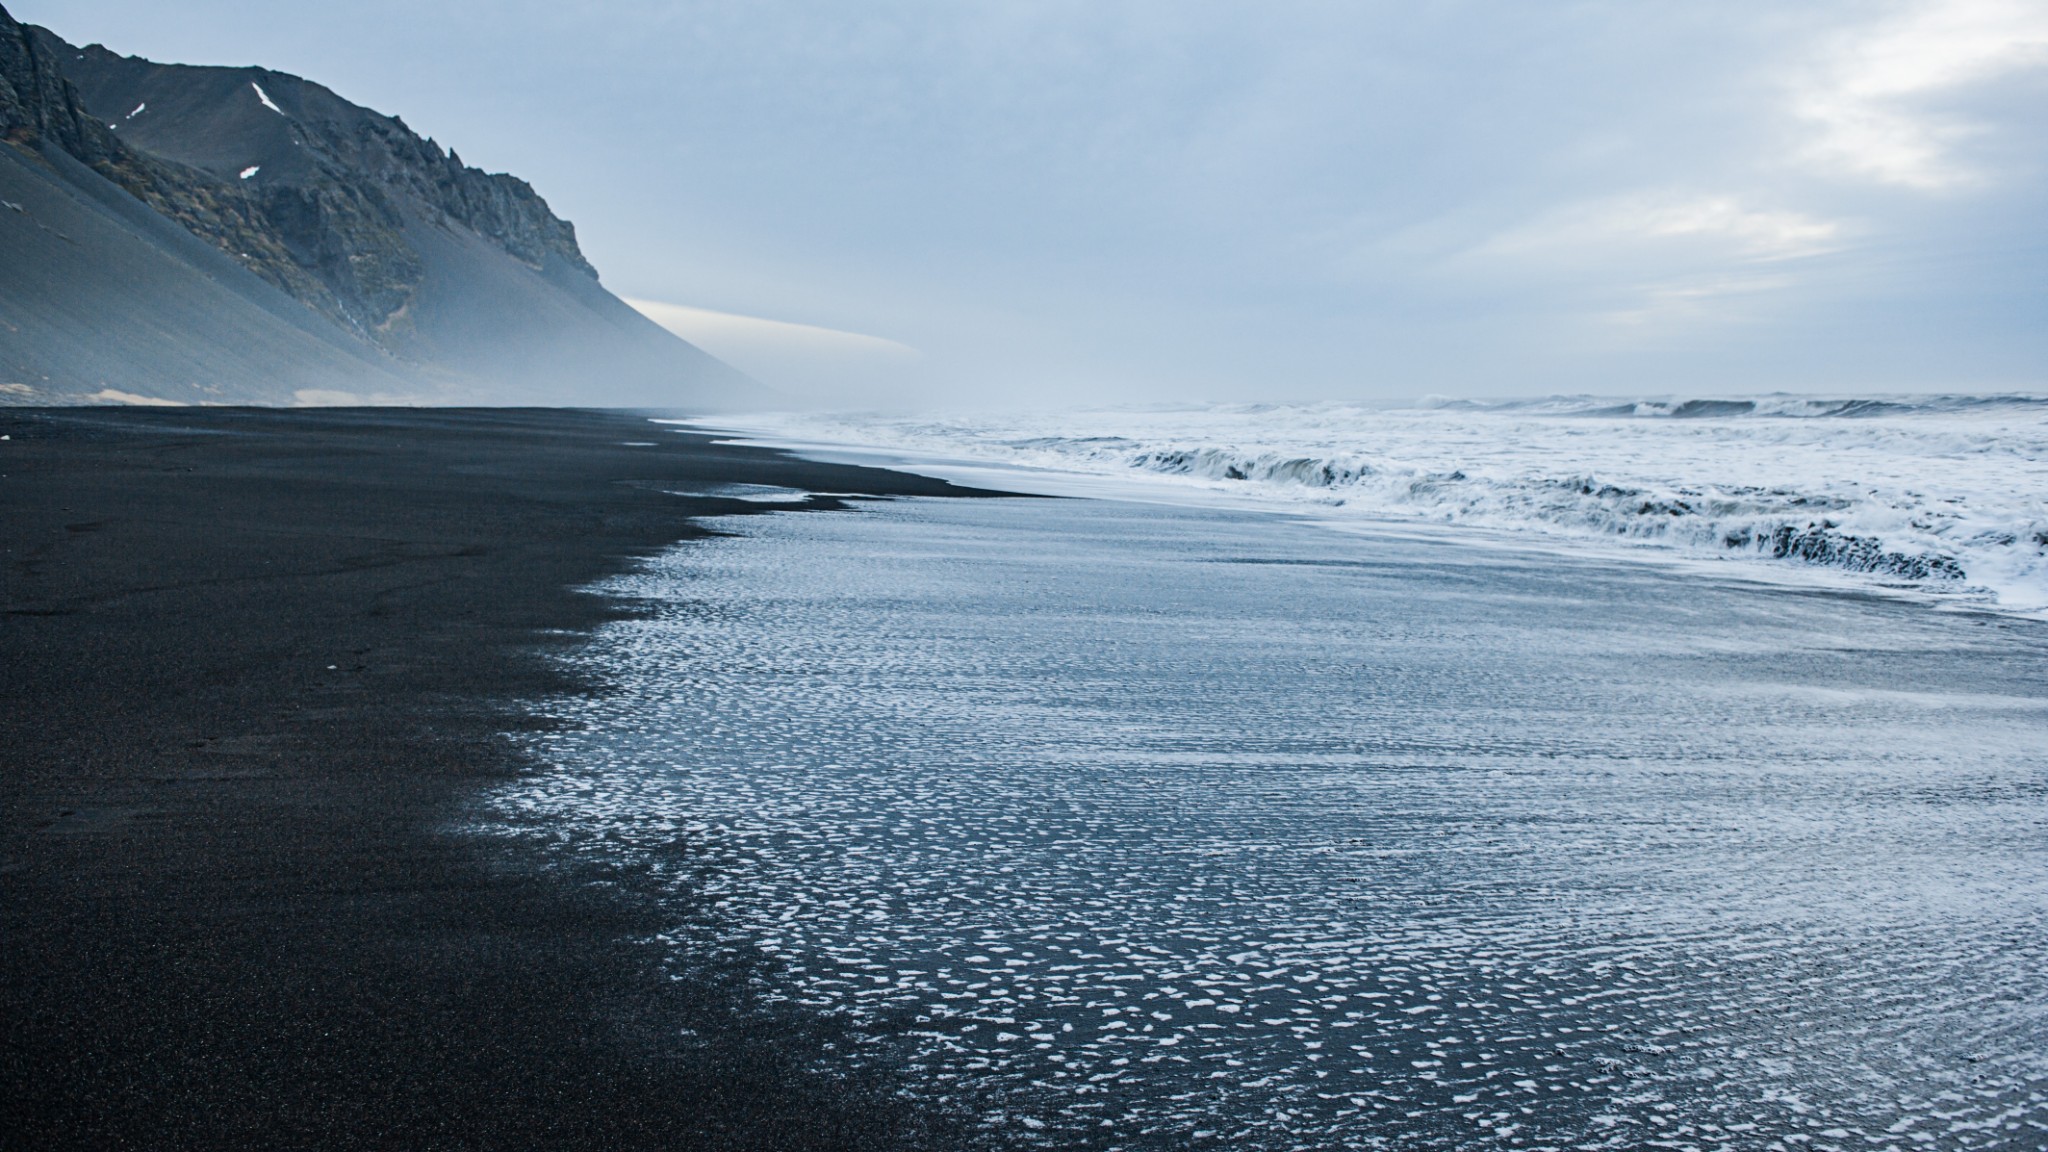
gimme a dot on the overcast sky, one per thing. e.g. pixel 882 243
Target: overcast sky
pixel 1278 201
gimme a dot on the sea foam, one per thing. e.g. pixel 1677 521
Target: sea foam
pixel 1941 495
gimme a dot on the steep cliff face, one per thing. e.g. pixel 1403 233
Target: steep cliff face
pixel 461 280
pixel 41 109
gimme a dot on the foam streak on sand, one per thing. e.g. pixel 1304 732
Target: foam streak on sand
pixel 1941 496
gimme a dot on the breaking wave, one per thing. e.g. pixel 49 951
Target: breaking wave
pixel 1945 494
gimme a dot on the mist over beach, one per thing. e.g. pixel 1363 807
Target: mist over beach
pixel 1136 576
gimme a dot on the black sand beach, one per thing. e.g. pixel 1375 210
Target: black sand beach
pixel 253 664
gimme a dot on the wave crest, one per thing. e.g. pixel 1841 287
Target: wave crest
pixel 1768 522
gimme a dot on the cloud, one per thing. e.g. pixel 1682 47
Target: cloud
pixel 1868 96
pixel 1666 257
pixel 1702 298
pixel 1719 227
pixel 801 359
pixel 1750 233
pixel 116 396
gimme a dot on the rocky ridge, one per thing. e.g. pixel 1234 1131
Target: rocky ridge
pixel 326 226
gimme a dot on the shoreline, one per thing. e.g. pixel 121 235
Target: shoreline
pixel 254 662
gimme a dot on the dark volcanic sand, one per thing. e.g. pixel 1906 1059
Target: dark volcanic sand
pixel 234 914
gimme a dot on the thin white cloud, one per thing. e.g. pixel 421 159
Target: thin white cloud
pixel 740 334
pixel 803 359
pixel 1663 260
pixel 1695 300
pixel 116 396
pixel 1868 95
pixel 1670 227
pixel 1757 234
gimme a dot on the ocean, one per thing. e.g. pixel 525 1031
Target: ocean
pixel 1942 496
pixel 1278 796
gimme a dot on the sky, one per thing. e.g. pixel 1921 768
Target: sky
pixel 907 202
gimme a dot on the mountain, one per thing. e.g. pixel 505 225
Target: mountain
pixel 202 234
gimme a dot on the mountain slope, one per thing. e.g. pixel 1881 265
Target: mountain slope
pixel 439 280
pixel 102 298
pixel 113 279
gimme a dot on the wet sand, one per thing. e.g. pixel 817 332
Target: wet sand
pixel 254 666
